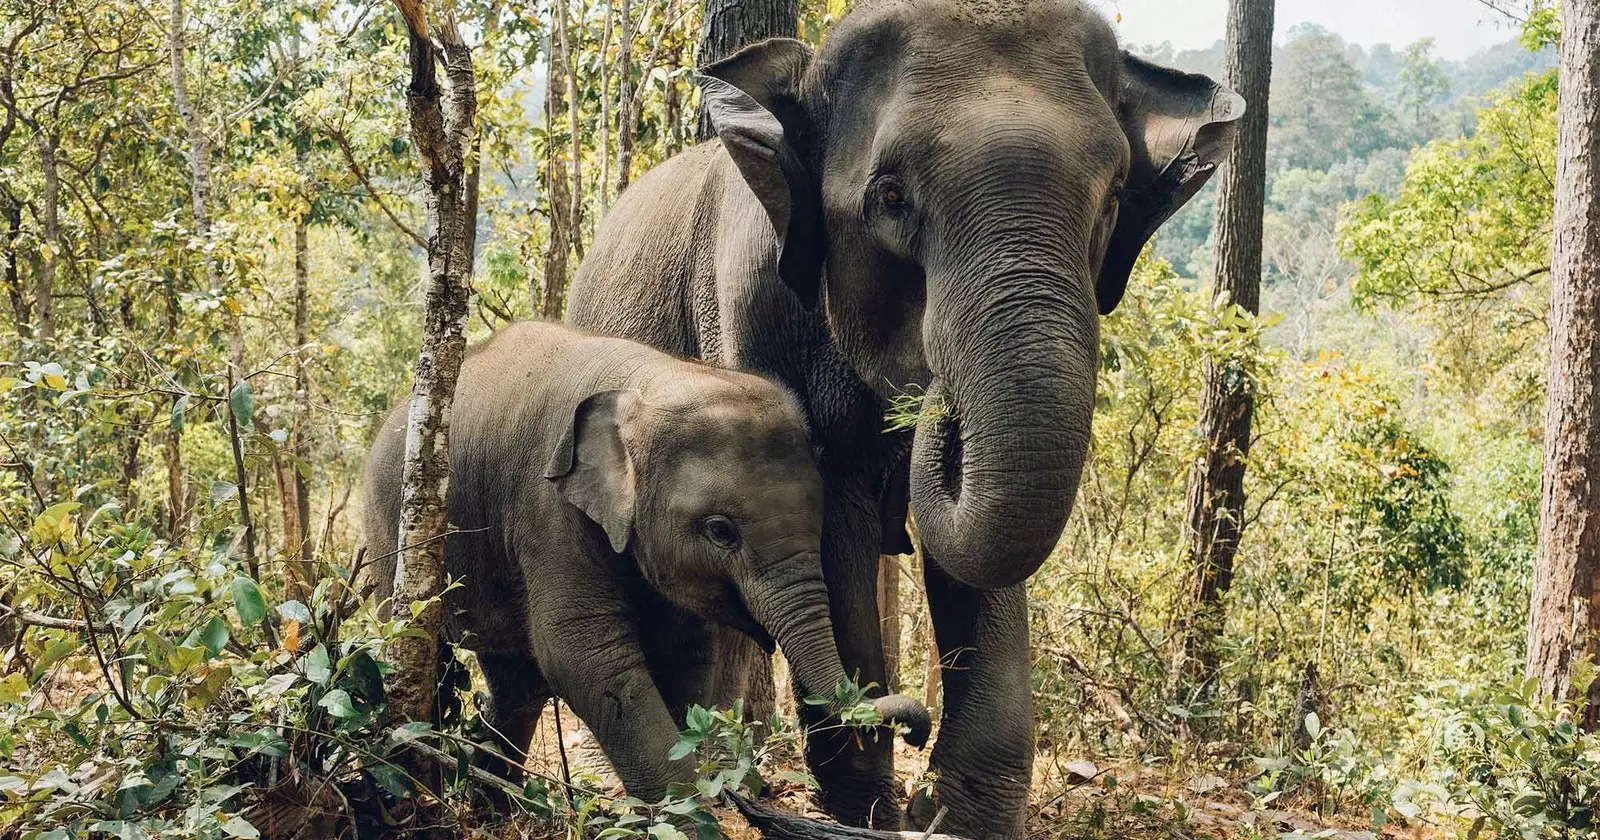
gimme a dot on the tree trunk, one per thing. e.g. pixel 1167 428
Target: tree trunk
pixel 441 129
pixel 44 285
pixel 731 25
pixel 199 143
pixel 1216 484
pixel 1564 621
pixel 889 618
pixel 557 192
pixel 575 216
pixel 19 302
pixel 603 183
pixel 296 490
pixel 625 126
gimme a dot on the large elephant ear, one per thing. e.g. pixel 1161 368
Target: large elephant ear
pixel 753 100
pixel 1180 127
pixel 591 465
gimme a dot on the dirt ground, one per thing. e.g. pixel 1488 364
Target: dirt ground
pixel 1074 798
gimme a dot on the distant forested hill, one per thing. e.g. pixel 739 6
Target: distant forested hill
pixel 1344 121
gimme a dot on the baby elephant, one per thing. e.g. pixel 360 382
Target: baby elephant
pixel 599 489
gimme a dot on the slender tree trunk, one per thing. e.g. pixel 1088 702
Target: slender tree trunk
pixel 194 128
pixel 44 283
pixel 603 183
pixel 731 25
pixel 889 618
pixel 1216 484
pixel 441 128
pixel 570 68
pixel 1564 623
pixel 296 492
pixel 625 126
pixel 557 192
pixel 20 309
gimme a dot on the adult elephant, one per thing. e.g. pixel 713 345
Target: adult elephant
pixel 941 201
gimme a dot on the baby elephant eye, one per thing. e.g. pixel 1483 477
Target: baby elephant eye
pixel 722 531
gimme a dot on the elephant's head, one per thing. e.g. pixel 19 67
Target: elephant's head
pixel 708 481
pixel 964 187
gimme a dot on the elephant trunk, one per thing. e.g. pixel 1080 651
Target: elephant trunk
pixel 995 472
pixel 797 614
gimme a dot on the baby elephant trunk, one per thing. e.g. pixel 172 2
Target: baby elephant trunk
pixel 800 621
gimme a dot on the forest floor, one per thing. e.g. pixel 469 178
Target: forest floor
pixel 1074 799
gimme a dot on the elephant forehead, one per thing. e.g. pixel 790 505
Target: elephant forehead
pixel 727 424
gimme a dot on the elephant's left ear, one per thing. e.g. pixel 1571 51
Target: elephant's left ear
pixel 1180 127
pixel 753 100
pixel 591 465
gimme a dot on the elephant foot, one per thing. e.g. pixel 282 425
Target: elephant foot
pixel 857 781
pixel 987 809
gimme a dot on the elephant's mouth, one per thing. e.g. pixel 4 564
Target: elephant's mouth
pixel 945 428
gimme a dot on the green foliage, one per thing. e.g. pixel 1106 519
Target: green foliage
pixel 1510 765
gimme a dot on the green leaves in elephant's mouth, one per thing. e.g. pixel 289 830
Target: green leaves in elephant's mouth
pixel 911 405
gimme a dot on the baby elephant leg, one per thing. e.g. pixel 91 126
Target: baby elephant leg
pixel 613 693
pixel 517 694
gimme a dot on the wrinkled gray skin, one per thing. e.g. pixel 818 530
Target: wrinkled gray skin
pixel 944 198
pixel 611 500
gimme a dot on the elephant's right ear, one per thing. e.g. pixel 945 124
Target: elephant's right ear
pixel 753 101
pixel 591 465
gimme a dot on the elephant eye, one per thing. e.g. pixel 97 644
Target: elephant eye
pixel 891 194
pixel 721 531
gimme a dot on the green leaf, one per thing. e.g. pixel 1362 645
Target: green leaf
pixel 222 491
pixel 279 683
pixel 390 778
pixel 666 831
pixel 243 402
pixel 1313 725
pixel 683 749
pixel 215 634
pixel 238 826
pixel 318 669
pixel 179 406
pixel 12 688
pixel 248 601
pixel 338 704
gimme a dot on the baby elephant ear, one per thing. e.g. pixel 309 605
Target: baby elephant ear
pixel 753 100
pixel 1180 128
pixel 591 466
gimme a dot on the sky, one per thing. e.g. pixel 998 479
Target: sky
pixel 1462 27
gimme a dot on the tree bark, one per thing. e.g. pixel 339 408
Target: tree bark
pixel 603 183
pixel 625 126
pixel 731 25
pixel 558 193
pixel 20 310
pixel 575 216
pixel 889 618
pixel 441 129
pixel 1564 621
pixel 44 284
pixel 1216 484
pixel 193 127
pixel 297 492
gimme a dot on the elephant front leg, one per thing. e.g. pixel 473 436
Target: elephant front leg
pixel 607 683
pixel 854 770
pixel 984 754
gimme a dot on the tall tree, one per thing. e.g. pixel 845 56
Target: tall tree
pixel 731 25
pixel 442 126
pixel 1216 484
pixel 557 187
pixel 1564 624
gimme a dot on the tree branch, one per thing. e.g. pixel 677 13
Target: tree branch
pixel 355 169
